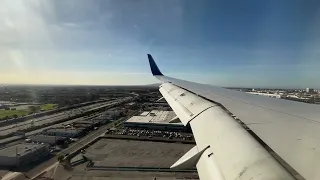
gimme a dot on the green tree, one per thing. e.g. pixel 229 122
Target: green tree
pixel 14 116
pixel 60 157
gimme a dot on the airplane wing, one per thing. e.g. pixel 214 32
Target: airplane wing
pixel 271 138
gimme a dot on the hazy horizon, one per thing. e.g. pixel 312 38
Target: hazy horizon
pixel 247 43
pixel 138 85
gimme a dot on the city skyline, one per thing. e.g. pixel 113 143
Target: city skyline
pixel 232 44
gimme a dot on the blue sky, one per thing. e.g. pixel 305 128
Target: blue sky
pixel 225 43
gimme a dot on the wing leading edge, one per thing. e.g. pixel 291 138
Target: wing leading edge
pixel 291 129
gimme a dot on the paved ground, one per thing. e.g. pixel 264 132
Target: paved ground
pixel 114 152
pixel 132 153
pixel 80 174
pixel 3 173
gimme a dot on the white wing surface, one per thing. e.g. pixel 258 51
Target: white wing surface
pixel 286 133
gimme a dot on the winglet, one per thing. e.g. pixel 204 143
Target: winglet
pixel 154 68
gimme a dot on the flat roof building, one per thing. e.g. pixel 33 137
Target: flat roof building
pixel 157 105
pixel 155 119
pixel 51 140
pixel 83 122
pixel 113 113
pixel 93 121
pixel 64 132
pixel 145 113
pixel 14 156
pixel 82 125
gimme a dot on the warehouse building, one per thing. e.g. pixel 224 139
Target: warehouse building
pixel 51 140
pixel 15 156
pixel 84 126
pixel 115 111
pixel 64 132
pixel 93 122
pixel 155 119
pixel 163 106
pixel 131 105
pixel 112 114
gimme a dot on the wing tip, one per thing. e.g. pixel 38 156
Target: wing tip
pixel 153 66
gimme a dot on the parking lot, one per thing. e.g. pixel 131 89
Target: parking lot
pixel 136 176
pixel 134 153
pixel 151 133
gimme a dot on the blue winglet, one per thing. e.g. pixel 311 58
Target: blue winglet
pixel 154 68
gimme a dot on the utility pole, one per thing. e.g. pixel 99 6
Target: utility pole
pixel 17 156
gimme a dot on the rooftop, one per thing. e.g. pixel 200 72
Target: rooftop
pixel 82 125
pixel 41 137
pixel 20 149
pixel 145 113
pixel 154 116
pixel 65 130
pixel 84 122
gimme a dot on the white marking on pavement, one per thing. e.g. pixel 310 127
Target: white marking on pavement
pixel 10 175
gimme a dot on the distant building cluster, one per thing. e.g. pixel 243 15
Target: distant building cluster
pixel 309 90
pixel 307 95
pixel 266 94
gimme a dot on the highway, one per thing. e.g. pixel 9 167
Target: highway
pixel 16 138
pixel 50 119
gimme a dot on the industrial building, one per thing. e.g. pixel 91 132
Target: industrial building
pixel 64 132
pixel 131 105
pixel 51 140
pixel 93 122
pixel 157 105
pixel 19 154
pixel 113 113
pixel 155 119
pixel 85 126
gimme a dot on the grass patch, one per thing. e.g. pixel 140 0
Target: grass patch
pixel 24 112
pixel 11 113
pixel 47 107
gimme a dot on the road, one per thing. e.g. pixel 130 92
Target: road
pixel 49 119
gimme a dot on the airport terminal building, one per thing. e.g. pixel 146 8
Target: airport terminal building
pixel 157 120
